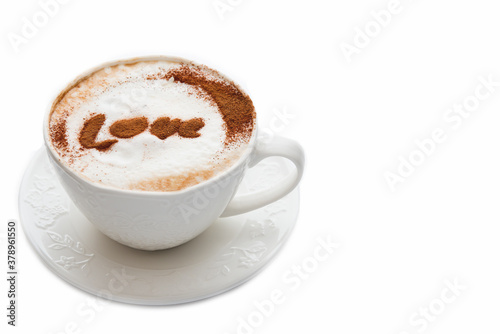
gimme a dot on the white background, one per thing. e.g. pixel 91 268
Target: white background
pixel 354 119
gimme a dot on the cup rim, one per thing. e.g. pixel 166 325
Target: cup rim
pixel 103 187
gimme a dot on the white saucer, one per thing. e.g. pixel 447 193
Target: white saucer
pixel 226 255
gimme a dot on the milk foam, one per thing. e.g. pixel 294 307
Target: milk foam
pixel 144 161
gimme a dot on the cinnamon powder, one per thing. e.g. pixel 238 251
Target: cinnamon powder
pixel 58 135
pixel 236 107
pixel 89 133
pixel 189 129
pixel 128 128
pixel 163 127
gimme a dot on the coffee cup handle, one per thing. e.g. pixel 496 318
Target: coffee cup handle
pixel 281 147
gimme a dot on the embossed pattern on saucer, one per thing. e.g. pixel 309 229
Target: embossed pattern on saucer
pixel 226 255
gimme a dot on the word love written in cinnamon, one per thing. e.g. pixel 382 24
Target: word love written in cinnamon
pixel 162 128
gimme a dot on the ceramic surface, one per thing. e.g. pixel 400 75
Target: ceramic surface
pixel 228 253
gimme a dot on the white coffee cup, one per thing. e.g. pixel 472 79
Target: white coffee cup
pixel 159 220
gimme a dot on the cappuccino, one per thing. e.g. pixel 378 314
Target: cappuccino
pixel 151 125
